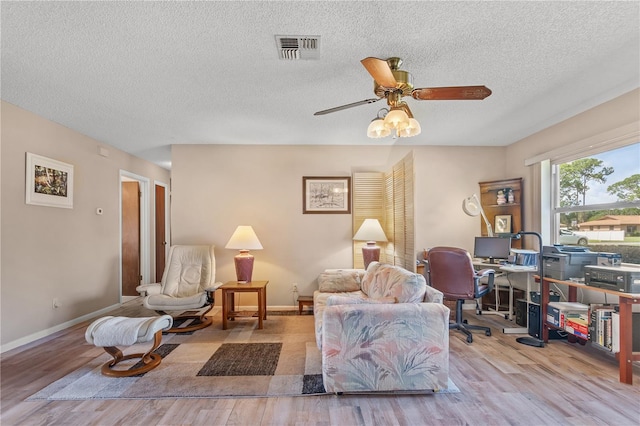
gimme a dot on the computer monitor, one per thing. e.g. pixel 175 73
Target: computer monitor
pixel 492 248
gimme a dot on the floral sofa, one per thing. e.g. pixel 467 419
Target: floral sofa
pixel 382 329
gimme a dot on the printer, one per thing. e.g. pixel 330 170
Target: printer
pixel 564 262
pixel 625 279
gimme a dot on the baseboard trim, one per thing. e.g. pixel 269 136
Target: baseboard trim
pixel 24 341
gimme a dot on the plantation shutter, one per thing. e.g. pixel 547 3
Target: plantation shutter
pixel 387 197
pixel 367 204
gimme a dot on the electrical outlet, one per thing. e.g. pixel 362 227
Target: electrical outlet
pixel 294 287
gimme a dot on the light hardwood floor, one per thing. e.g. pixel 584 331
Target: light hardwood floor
pixel 502 383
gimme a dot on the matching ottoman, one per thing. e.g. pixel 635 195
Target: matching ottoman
pixel 110 332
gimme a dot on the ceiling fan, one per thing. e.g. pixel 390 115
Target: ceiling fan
pixel 392 83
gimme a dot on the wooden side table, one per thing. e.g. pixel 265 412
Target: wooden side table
pixel 228 291
pixel 304 301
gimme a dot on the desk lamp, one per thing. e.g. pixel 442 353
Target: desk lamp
pixel 370 231
pixel 472 207
pixel 244 239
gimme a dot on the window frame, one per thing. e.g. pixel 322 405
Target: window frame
pixel 554 182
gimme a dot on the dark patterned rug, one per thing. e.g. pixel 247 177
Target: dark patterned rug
pixel 280 360
pixel 243 359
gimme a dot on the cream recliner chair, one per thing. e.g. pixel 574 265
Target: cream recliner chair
pixel 188 283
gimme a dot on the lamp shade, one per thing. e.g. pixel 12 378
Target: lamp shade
pixel 396 119
pixel 370 230
pixel 413 129
pixel 244 238
pixel 377 129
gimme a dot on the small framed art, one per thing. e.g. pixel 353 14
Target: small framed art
pixel 503 223
pixel 48 182
pixel 326 194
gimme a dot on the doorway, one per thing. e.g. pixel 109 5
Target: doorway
pixel 134 234
pixel 162 236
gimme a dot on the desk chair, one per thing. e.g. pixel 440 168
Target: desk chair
pixel 451 271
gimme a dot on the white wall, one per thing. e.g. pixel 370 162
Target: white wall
pixel 218 187
pixel 69 254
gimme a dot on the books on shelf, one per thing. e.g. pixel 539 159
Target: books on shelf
pixel 601 328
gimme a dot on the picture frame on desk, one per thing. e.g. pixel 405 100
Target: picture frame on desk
pixel 502 224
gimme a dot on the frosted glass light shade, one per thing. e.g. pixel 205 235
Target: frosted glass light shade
pixel 377 129
pixel 396 119
pixel 413 129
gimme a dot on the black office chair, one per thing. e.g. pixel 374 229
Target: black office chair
pixel 451 271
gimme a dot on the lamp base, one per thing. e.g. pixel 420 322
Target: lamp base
pixel 244 266
pixel 370 253
pixel 530 341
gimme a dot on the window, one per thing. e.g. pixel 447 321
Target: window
pixel 597 201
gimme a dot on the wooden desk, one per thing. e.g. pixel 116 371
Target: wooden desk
pixel 230 288
pixel 626 356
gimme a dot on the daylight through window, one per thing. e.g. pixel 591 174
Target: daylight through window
pixel 597 202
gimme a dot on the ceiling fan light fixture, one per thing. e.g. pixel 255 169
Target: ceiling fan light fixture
pixel 413 129
pixel 377 129
pixel 396 119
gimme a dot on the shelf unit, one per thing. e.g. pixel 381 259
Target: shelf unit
pixel 489 200
pixel 626 356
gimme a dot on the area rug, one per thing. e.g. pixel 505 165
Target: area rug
pixel 282 359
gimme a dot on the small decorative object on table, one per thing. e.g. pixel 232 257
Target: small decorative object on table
pixel 501 198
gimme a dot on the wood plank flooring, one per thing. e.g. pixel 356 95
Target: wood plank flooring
pixel 502 383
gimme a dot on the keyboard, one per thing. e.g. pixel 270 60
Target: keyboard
pixel 519 268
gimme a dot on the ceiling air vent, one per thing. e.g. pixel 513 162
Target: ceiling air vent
pixel 298 47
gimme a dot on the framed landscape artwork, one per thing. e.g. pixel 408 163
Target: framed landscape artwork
pixel 326 195
pixel 48 182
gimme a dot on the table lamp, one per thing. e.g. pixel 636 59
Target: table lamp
pixel 472 207
pixel 244 239
pixel 370 231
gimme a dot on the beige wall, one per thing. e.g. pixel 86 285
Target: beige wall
pixel 74 254
pixel 578 131
pixel 218 187
pixel 70 254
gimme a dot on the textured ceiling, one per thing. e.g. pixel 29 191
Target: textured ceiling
pixel 142 76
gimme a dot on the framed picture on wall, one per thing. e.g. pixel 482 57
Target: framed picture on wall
pixel 503 223
pixel 326 194
pixel 48 182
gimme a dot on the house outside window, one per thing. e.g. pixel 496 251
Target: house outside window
pixel 596 201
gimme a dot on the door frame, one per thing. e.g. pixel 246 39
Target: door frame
pixel 145 263
pixel 167 208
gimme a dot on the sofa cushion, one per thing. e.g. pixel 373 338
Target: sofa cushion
pixel 334 281
pixel 382 280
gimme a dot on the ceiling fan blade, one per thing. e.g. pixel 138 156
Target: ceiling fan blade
pixel 351 105
pixel 380 71
pixel 451 93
